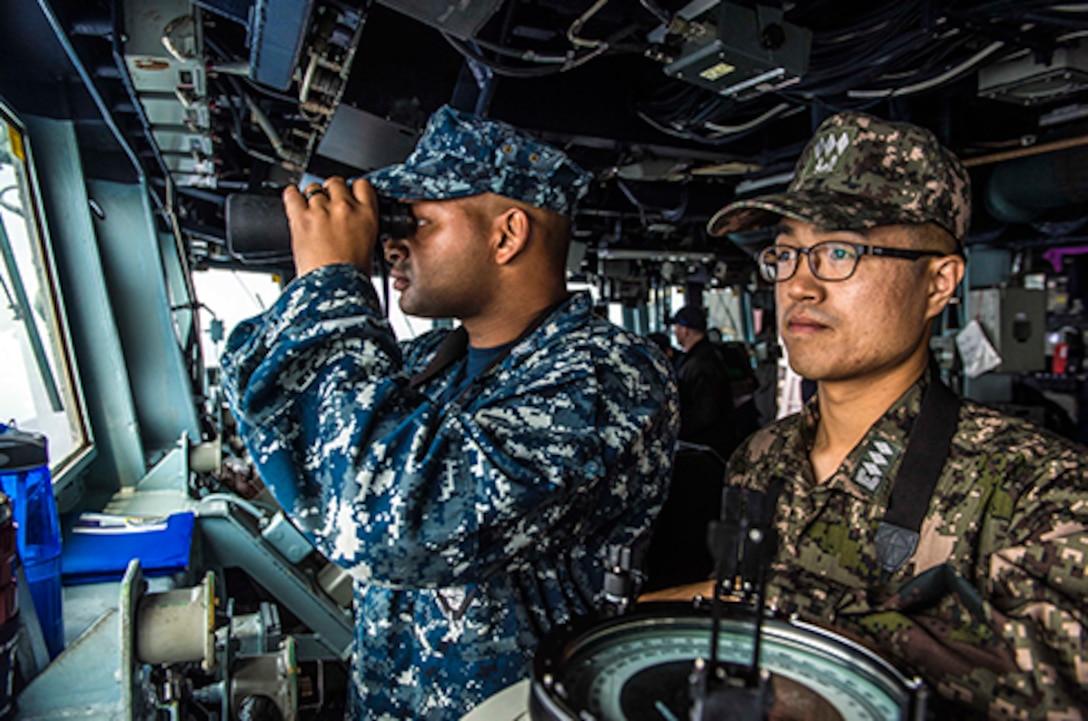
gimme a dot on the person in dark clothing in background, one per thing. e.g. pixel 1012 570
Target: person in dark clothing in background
pixel 708 434
pixel 706 400
pixel 662 341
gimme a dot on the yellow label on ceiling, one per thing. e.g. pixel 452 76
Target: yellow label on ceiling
pixel 717 71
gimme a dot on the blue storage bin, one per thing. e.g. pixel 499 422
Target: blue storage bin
pixel 25 478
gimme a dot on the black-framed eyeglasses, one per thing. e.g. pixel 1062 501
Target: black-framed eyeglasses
pixel 830 260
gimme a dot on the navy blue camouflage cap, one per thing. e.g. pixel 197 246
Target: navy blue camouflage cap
pixel 460 154
pixel 860 171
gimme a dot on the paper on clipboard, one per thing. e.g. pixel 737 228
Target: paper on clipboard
pixel 977 353
pixel 102 523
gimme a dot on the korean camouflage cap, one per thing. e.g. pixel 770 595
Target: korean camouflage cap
pixel 859 171
pixel 460 155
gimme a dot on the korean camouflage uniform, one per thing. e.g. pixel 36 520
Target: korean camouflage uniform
pixel 991 610
pixel 473 524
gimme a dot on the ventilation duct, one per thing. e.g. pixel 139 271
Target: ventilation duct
pixel 1022 190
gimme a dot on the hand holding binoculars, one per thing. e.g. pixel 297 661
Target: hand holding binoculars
pixel 257 225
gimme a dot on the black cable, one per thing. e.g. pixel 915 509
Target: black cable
pixel 681 101
pixel 236 118
pixel 528 56
pixel 674 99
pixel 1074 23
pixel 898 45
pixel 863 39
pixel 218 49
pixel 237 133
pixel 475 56
pixel 656 11
pixel 716 141
pixel 874 52
pixel 893 55
pixel 283 97
pixel 1012 8
pixel 231 57
pixel 712 108
pixel 609 45
pixel 893 17
pixel 880 76
pixel 941 54
pixel 927 74
pixel 685 114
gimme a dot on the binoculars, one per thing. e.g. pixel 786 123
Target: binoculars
pixel 257 225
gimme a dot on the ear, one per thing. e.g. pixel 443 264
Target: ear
pixel 511 231
pixel 945 274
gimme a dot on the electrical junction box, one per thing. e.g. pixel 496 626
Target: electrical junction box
pixel 1025 81
pixel 164 57
pixel 742 52
pixel 1015 323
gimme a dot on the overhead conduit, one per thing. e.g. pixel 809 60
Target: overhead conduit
pixel 1027 183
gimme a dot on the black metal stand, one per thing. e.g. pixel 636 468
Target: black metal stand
pixel 742 544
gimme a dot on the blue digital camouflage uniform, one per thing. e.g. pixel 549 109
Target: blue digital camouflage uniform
pixel 471 525
pixel 460 154
pixel 991 609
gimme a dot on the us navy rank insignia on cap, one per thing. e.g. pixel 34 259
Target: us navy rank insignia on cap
pixel 875 462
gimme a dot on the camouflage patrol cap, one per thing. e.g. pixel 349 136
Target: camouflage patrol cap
pixel 859 171
pixel 460 155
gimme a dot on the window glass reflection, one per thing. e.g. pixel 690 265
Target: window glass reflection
pixel 37 392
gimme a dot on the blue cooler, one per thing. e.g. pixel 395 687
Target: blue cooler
pixel 24 477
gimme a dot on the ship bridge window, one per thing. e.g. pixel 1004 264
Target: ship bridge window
pixel 38 390
pixel 230 296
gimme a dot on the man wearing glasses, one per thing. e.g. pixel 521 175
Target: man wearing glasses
pixel 951 539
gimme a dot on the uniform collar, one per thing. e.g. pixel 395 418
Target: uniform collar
pixel 868 470
pixel 455 345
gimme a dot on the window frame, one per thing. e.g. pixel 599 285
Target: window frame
pixel 66 468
